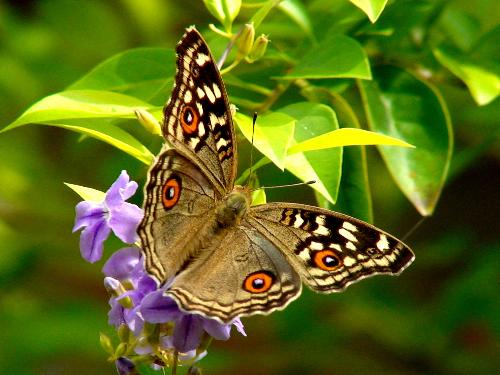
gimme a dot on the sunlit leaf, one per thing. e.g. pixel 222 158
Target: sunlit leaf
pixel 336 56
pixel 79 104
pixel 346 137
pixel 258 197
pixel 273 134
pixel 87 193
pixel 109 133
pixel 483 83
pixel 224 10
pixel 372 8
pixel 399 105
pixel 354 196
pixel 323 166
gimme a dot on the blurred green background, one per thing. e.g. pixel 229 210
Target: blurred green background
pixel 441 316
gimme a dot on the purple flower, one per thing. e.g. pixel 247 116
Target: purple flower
pixel 125 366
pixel 149 304
pixel 125 267
pixel 158 308
pixel 113 214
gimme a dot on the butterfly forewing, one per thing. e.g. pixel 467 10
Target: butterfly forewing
pixel 197 120
pixel 330 250
pixel 178 205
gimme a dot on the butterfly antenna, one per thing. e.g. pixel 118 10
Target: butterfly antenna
pixel 412 230
pixel 251 149
pixel 288 185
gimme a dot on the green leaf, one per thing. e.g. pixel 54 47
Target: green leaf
pixel 142 73
pixel 298 13
pixel 105 131
pixel 323 166
pixel 400 105
pixel 80 104
pixel 483 81
pixel 337 56
pixel 354 196
pixel 273 134
pixel 346 137
pixel 224 10
pixel 87 193
pixel 258 197
pixel 263 11
pixel 372 8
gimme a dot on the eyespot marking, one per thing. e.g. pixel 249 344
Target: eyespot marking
pixel 259 282
pixel 327 260
pixel 189 120
pixel 171 192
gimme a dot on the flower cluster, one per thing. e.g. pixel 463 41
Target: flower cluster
pixel 151 327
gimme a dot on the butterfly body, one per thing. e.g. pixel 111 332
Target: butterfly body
pixel 224 257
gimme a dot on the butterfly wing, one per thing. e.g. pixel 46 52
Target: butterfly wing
pixel 178 207
pixel 242 273
pixel 328 249
pixel 197 117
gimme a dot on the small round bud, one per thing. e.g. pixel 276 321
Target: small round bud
pixel 106 343
pixel 147 120
pixel 258 49
pixel 244 40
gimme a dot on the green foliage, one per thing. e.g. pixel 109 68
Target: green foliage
pixel 335 77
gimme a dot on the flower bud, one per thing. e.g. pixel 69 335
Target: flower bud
pixel 121 349
pixel 113 286
pixel 147 120
pixel 116 289
pixel 245 39
pixel 258 49
pixel 106 343
pixel 124 333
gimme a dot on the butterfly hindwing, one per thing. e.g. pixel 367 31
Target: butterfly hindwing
pixel 328 249
pixel 197 118
pixel 241 273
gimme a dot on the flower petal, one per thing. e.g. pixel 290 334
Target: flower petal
pixel 187 332
pixel 121 264
pixel 134 320
pixel 124 220
pixel 116 313
pixel 239 326
pixel 92 239
pixel 156 308
pixel 121 190
pixel 87 213
pixel 217 330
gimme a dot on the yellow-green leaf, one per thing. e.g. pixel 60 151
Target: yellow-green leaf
pixel 87 193
pixel 346 137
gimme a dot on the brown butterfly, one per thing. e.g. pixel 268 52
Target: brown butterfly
pixel 229 258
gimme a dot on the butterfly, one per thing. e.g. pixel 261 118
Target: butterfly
pixel 226 257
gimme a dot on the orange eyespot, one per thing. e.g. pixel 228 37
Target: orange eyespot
pixel 258 282
pixel 327 260
pixel 189 119
pixel 171 192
